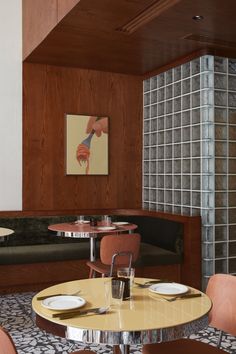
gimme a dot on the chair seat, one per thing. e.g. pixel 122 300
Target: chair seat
pixel 99 267
pixel 181 346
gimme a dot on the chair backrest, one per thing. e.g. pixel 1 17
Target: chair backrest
pixel 112 244
pixel 221 289
pixel 6 343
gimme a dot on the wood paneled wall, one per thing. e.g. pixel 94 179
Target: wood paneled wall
pixel 39 18
pixel 49 93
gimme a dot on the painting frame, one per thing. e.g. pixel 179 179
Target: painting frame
pixel 86 144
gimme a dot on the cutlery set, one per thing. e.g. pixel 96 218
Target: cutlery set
pixel 75 313
pixel 185 296
pixel 150 282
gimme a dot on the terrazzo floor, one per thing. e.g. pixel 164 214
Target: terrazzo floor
pixel 16 316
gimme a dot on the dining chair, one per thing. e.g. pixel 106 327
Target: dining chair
pixel 7 345
pixel 221 289
pixel 115 251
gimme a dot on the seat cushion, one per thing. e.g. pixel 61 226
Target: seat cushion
pixel 181 346
pixel 151 255
pixel 44 253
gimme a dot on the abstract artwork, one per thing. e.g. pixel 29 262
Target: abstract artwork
pixel 86 144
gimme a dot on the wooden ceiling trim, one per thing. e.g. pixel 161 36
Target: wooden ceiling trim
pixel 40 18
pixel 64 7
pixel 210 41
pixel 177 62
pixel 87 36
pixel 147 15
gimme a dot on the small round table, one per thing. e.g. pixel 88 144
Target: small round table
pixel 146 318
pixel 85 230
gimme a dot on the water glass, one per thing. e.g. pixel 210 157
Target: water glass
pixel 106 219
pixel 127 273
pixel 80 219
pixel 113 292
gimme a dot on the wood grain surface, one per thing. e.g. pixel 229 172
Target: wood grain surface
pixel 64 7
pixel 39 19
pixel 90 36
pixel 49 93
pixel 37 276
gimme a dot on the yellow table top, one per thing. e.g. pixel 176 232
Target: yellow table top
pixel 146 311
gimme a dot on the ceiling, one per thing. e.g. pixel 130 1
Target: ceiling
pixel 138 36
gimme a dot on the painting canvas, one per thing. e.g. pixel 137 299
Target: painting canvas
pixel 86 145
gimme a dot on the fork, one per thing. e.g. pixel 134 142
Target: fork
pixel 187 296
pixel 150 282
pixel 87 141
pixel 76 313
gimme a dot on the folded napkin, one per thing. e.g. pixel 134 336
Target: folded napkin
pixel 47 296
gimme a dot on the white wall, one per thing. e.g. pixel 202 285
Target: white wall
pixel 10 105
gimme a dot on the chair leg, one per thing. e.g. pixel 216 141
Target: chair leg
pixel 219 339
pixel 92 273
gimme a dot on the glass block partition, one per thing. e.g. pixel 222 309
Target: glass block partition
pixel 189 152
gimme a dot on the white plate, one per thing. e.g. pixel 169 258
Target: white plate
pixel 168 288
pixel 82 222
pixel 61 302
pixel 106 228
pixel 120 223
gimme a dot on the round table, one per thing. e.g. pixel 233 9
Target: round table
pixel 85 230
pixel 146 318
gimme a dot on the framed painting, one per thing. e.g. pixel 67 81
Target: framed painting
pixel 86 144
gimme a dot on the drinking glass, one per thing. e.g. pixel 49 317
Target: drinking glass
pixel 80 219
pixel 113 292
pixel 106 219
pixel 127 273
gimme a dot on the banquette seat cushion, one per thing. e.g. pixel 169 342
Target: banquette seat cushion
pixel 161 241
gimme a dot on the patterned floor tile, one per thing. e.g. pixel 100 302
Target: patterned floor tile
pixel 16 316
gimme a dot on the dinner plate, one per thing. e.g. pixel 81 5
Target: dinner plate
pixel 82 222
pixel 106 228
pixel 63 302
pixel 120 223
pixel 168 288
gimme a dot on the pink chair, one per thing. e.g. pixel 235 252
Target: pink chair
pixel 7 345
pixel 222 291
pixel 115 251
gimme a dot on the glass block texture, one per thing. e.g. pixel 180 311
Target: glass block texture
pixel 189 155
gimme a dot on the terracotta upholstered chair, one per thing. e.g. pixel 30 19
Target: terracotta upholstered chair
pixel 222 291
pixel 7 345
pixel 115 250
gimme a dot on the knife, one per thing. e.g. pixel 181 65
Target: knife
pixel 189 296
pixel 79 312
pixel 180 297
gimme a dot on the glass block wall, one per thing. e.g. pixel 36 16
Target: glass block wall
pixel 189 152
